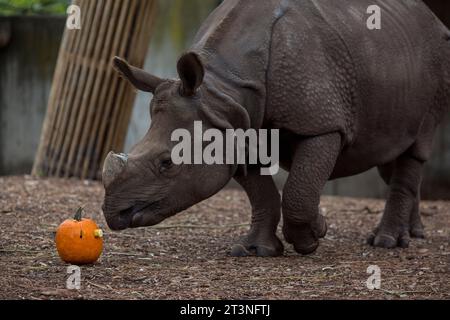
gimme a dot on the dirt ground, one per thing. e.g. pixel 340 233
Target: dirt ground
pixel 188 256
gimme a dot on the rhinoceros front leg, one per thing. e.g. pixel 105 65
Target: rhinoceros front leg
pixel 312 166
pixel 266 212
pixel 401 217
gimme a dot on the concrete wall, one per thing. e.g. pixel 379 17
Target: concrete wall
pixel 176 25
pixel 27 64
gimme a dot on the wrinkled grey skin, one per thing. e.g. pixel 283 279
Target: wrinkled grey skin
pixel 345 98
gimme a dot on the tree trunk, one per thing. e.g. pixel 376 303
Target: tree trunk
pixel 90 107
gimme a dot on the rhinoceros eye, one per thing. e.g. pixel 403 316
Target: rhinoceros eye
pixel 166 164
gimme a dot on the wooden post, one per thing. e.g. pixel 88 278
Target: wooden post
pixel 90 106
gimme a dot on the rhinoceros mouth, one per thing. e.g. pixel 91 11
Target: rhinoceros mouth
pixel 133 216
pixel 140 208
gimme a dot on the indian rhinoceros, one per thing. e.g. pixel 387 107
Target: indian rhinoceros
pixel 345 98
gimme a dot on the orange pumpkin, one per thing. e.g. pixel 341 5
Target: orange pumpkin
pixel 79 241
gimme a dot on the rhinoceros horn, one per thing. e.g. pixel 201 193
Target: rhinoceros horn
pixel 113 167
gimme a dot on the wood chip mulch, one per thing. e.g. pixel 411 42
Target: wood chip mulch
pixel 187 257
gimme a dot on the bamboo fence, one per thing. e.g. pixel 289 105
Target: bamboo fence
pixel 90 106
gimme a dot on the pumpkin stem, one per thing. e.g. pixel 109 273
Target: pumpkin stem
pixel 79 214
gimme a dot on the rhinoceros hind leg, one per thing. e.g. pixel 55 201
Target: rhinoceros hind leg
pixel 416 228
pixel 401 218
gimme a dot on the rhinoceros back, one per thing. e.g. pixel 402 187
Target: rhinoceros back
pixel 330 72
pixel 317 67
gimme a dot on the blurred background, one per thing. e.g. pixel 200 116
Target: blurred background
pixel 30 37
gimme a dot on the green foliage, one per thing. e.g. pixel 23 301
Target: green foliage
pixel 33 7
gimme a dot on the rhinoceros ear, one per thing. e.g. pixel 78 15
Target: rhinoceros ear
pixel 140 79
pixel 191 72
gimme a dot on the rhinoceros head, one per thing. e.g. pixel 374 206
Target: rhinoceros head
pixel 145 187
